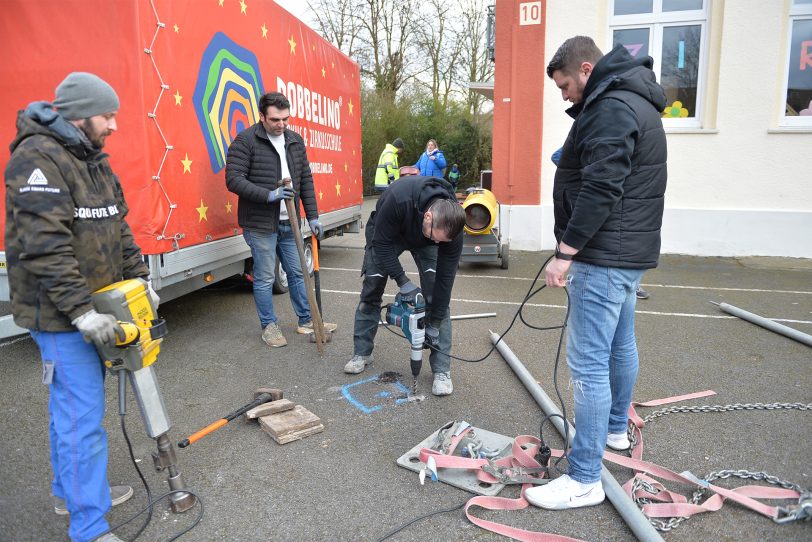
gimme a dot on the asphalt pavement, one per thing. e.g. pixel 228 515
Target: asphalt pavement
pixel 344 484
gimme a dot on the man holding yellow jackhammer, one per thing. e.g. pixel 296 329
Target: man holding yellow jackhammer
pixel 65 238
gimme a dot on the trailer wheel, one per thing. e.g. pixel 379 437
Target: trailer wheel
pixel 308 250
pixel 505 255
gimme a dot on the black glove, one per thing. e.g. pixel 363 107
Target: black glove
pixel 391 178
pixel 283 192
pixel 316 228
pixel 432 337
pixel 408 292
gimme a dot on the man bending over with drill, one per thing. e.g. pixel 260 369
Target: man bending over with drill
pixel 421 215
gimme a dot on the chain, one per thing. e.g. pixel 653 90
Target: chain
pixel 728 408
pixel 672 523
pixel 802 512
pixel 659 524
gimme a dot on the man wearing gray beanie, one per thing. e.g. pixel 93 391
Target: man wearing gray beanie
pixel 66 237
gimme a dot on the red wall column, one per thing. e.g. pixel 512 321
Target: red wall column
pixel 517 101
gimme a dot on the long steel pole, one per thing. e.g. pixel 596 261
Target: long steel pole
pixel 766 323
pixel 627 509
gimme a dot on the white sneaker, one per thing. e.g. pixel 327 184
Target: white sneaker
pixel 442 384
pixel 564 492
pixel 357 364
pixel 619 442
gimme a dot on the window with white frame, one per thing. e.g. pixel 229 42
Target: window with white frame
pixel 674 34
pixel 797 110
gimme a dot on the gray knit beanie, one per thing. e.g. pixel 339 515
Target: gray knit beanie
pixel 83 95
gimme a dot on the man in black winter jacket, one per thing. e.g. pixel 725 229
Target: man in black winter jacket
pixel 258 159
pixel 608 204
pixel 421 215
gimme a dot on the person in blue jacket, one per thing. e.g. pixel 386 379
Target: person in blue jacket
pixel 432 162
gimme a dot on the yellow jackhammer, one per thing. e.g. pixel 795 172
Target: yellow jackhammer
pixel 134 356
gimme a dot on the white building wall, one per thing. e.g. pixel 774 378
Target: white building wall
pixel 738 186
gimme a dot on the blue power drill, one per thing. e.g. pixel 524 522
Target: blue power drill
pixel 411 319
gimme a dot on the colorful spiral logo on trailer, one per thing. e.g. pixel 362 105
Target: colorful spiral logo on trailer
pixel 226 95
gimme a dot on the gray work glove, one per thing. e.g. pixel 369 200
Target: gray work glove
pixel 408 292
pixel 153 296
pixel 100 329
pixel 431 338
pixel 316 228
pixel 283 192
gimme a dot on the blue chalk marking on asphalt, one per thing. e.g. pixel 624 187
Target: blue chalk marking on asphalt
pixel 405 390
pixel 345 391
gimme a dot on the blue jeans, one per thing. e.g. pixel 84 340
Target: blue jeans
pixel 78 439
pixel 602 357
pixel 265 248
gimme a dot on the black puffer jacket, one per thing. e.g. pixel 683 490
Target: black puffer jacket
pixel 252 171
pixel 398 222
pixel 609 187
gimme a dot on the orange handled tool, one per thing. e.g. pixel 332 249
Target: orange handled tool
pixel 260 399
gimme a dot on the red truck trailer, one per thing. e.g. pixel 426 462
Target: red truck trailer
pixel 189 74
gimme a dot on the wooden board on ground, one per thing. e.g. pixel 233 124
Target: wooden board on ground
pixel 291 425
pixel 270 408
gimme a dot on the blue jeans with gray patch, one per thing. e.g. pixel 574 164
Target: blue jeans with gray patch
pixel 602 358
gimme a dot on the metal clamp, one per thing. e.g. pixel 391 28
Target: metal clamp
pixel 516 475
pixel 800 512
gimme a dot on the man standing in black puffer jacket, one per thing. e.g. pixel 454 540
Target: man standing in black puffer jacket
pixel 258 158
pixel 608 202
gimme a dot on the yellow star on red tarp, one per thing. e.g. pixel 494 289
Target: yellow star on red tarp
pixel 202 212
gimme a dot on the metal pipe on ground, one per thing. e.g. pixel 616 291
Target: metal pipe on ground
pixel 766 323
pixel 627 509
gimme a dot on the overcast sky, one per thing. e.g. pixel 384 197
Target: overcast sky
pixel 297 7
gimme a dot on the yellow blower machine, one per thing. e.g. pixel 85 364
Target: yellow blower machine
pixel 135 356
pixel 482 241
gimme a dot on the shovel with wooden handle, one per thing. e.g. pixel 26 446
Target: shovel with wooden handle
pixel 318 325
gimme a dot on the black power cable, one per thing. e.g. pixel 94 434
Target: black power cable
pixel 122 385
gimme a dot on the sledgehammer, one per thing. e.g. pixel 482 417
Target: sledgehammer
pixel 261 396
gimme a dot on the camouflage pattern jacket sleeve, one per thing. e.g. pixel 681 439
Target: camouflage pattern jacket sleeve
pixel 65 232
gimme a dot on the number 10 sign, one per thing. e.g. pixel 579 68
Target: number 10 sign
pixel 529 13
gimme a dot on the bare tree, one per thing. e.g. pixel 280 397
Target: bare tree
pixel 438 41
pixel 375 33
pixel 476 65
pixel 338 22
